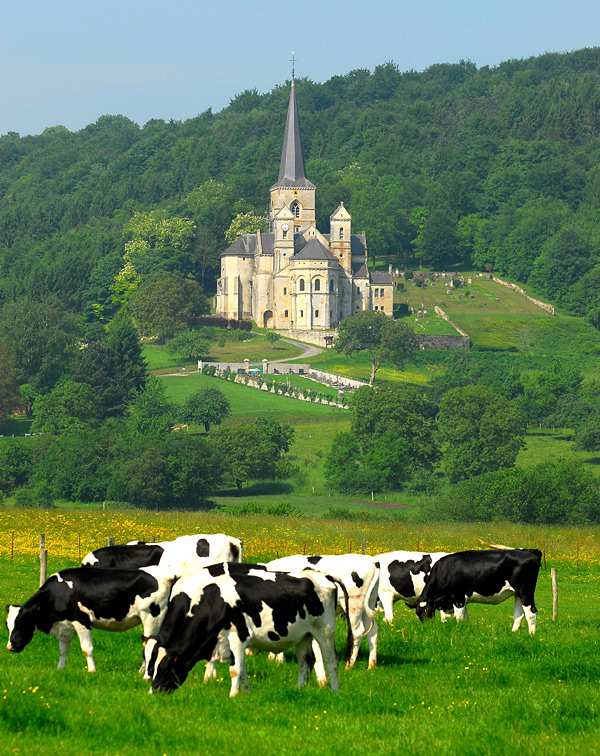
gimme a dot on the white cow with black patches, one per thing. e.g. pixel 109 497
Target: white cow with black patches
pixel 359 574
pixel 239 606
pixel 403 575
pixel 73 601
pixel 482 577
pixel 182 555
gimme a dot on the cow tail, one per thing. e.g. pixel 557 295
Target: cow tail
pixel 372 597
pixel 349 637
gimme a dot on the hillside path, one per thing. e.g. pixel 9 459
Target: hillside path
pixel 308 350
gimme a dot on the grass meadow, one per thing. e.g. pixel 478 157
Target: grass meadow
pixel 475 688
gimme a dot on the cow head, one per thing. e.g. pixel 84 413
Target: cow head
pixel 169 672
pixel 21 627
pixel 424 609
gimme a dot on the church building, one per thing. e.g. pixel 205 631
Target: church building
pixel 295 277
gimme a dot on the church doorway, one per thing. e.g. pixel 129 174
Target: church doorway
pixel 268 319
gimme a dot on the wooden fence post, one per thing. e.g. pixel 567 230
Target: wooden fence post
pixel 79 545
pixel 241 549
pixel 43 559
pixel 12 546
pixel 554 595
pixel 363 546
pixel 111 541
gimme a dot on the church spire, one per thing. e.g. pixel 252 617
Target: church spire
pixel 292 171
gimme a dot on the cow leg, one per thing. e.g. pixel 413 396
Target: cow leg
pixel 530 615
pixel 387 603
pixel 518 614
pixel 210 673
pixel 325 640
pixel 306 659
pixel 237 665
pixel 372 638
pixel 319 664
pixel 64 633
pixel 358 631
pixel 461 613
pixel 85 641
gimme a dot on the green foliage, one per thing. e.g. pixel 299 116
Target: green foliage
pixel 70 407
pixel 16 463
pixel 480 431
pixel 244 223
pixel 191 343
pixel 150 412
pixel 207 406
pixel 252 451
pixel 161 302
pixel 553 493
pixel 380 336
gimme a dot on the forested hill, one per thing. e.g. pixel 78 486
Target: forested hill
pixel 491 166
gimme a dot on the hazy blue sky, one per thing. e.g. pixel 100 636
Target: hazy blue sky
pixel 70 61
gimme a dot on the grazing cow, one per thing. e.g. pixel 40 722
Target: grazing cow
pixel 73 601
pixel 482 577
pixel 359 574
pixel 129 556
pixel 182 555
pixel 403 575
pixel 235 606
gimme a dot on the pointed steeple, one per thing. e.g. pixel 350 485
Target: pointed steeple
pixel 292 171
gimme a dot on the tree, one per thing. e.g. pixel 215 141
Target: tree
pixel 208 406
pixel 272 337
pixel 150 412
pixel 162 301
pixel 480 432
pixel 96 366
pixel 41 338
pixel 392 437
pixel 253 451
pixel 70 406
pixel 190 344
pixel 16 463
pixel 383 338
pixel 9 392
pixel 244 223
pixel 122 340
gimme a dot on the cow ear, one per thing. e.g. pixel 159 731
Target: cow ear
pixel 411 604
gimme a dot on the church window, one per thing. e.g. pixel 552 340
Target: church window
pixel 376 307
pixel 376 292
pixel 286 314
pixel 381 308
pixel 341 233
pixel 295 208
pixel 284 292
pixel 317 284
pixel 285 232
pixel 331 286
pixel 301 313
pixel 316 313
pixel 301 284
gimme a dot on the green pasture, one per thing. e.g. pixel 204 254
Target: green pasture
pixel 474 688
pixel 256 348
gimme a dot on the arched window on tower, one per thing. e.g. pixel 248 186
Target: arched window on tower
pixel 341 232
pixel 317 284
pixel 295 208
pixel 301 284
pixel 331 286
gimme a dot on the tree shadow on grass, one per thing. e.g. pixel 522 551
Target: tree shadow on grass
pixel 261 488
pixel 593 461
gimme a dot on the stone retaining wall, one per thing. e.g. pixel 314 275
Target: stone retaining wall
pixel 544 305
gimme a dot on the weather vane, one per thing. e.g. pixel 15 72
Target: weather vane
pixel 293 62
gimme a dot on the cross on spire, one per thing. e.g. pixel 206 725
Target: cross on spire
pixel 293 62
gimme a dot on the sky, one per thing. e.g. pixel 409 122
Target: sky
pixel 68 62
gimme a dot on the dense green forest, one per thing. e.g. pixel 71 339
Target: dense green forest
pixel 455 165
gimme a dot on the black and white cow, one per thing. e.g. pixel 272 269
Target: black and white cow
pixel 482 577
pixel 182 555
pixel 403 575
pixel 235 606
pixel 126 556
pixel 73 601
pixel 359 574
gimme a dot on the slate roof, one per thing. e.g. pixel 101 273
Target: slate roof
pixel 379 277
pixel 314 250
pixel 292 171
pixel 359 270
